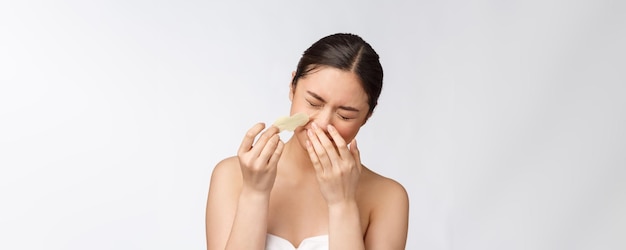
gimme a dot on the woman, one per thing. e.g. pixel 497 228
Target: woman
pixel 312 191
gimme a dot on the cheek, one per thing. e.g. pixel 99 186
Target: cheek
pixel 298 106
pixel 347 132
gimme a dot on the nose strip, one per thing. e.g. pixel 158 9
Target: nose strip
pixel 290 123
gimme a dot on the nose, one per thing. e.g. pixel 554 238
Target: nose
pixel 322 118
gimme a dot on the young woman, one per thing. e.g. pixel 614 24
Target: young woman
pixel 312 192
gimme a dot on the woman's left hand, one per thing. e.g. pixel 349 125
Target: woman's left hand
pixel 337 166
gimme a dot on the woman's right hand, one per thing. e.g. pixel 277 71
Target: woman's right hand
pixel 258 160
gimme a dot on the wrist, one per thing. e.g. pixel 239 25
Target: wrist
pixel 254 195
pixel 348 206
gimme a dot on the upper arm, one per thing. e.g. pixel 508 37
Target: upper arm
pixel 221 204
pixel 389 219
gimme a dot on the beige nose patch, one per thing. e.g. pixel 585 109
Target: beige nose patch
pixel 290 123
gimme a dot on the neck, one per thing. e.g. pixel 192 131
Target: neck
pixel 295 158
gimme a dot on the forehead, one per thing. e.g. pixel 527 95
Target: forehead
pixel 334 85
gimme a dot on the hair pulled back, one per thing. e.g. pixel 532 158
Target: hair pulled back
pixel 347 52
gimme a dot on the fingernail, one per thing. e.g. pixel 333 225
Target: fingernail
pixel 314 125
pixel 331 128
pixel 309 133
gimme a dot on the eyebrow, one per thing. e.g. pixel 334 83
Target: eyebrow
pixel 319 98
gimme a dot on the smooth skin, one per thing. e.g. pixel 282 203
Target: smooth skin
pixel 314 184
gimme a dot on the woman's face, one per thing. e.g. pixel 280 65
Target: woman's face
pixel 330 96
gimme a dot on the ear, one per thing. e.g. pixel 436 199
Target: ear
pixel 291 88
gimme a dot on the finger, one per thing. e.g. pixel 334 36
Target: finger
pixel 268 149
pixel 263 140
pixel 314 159
pixel 354 150
pixel 329 146
pixel 248 139
pixel 319 150
pixel 340 143
pixel 277 153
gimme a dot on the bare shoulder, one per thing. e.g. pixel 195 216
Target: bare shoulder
pixel 386 203
pixel 222 201
pixel 227 170
pixel 226 178
pixel 378 187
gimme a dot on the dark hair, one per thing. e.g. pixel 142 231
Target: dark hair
pixel 347 52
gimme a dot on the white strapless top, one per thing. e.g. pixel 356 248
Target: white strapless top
pixel 274 242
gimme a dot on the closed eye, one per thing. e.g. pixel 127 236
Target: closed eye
pixel 345 118
pixel 314 104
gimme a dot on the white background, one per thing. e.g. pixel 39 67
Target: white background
pixel 504 120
